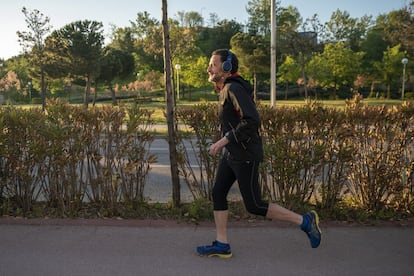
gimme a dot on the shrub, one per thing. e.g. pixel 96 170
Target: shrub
pixel 317 155
pixel 70 155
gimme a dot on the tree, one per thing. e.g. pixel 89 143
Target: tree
pixel 337 66
pixel 183 43
pixel 213 19
pixel 253 54
pixel 16 68
pixel 192 74
pixel 170 112
pixel 33 42
pixel 147 34
pixel 390 66
pixel 399 27
pixel 115 63
pixel 289 19
pixel 122 39
pixel 76 51
pixel 259 17
pixel 190 19
pixel 10 84
pixel 408 32
pixel 343 28
pixel 374 47
pixel 186 53
pixel 301 44
pixel 195 73
pixel 218 37
pixel 288 22
pixel 289 72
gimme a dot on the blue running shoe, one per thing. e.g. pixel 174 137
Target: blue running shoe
pixel 310 226
pixel 217 249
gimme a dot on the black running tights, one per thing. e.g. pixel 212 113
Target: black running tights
pixel 247 175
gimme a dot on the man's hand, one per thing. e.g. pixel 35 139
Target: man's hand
pixel 217 146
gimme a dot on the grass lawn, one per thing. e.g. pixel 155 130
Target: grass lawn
pixel 158 105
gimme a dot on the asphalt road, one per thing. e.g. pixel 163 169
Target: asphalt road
pixel 158 187
pixel 133 247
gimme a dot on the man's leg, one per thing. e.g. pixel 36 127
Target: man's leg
pixel 247 175
pixel 309 222
pixel 220 247
pixel 224 180
pixel 277 212
pixel 220 219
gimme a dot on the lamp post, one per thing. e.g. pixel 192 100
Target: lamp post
pixel 273 54
pixel 177 68
pixel 404 61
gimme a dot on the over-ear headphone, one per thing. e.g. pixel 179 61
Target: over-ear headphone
pixel 226 66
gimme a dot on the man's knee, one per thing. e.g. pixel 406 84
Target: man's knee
pixel 219 200
pixel 258 210
pixel 216 195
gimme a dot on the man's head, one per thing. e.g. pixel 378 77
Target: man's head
pixel 222 64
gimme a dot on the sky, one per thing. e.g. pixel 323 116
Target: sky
pixel 121 12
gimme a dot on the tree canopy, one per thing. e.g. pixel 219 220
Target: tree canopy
pixel 331 55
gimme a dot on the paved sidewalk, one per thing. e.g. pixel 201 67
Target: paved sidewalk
pixel 145 247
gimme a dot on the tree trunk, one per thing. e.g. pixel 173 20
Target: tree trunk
pixel 43 87
pixel 287 90
pixel 305 84
pixel 388 91
pixel 111 88
pixel 95 94
pixel 87 92
pixel 170 114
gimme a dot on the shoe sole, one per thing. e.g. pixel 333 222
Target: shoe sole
pixel 317 221
pixel 222 256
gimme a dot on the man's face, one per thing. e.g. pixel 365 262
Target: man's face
pixel 215 73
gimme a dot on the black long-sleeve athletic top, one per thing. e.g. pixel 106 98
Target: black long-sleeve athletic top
pixel 240 121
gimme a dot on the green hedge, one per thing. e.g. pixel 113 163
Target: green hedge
pixel 361 156
pixel 69 155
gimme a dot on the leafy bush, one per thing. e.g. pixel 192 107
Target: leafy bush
pixel 322 156
pixel 203 129
pixel 357 161
pixel 70 155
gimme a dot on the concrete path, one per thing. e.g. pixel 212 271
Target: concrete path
pixel 151 247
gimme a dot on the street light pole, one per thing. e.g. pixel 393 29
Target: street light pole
pixel 178 67
pixel 273 54
pixel 404 61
